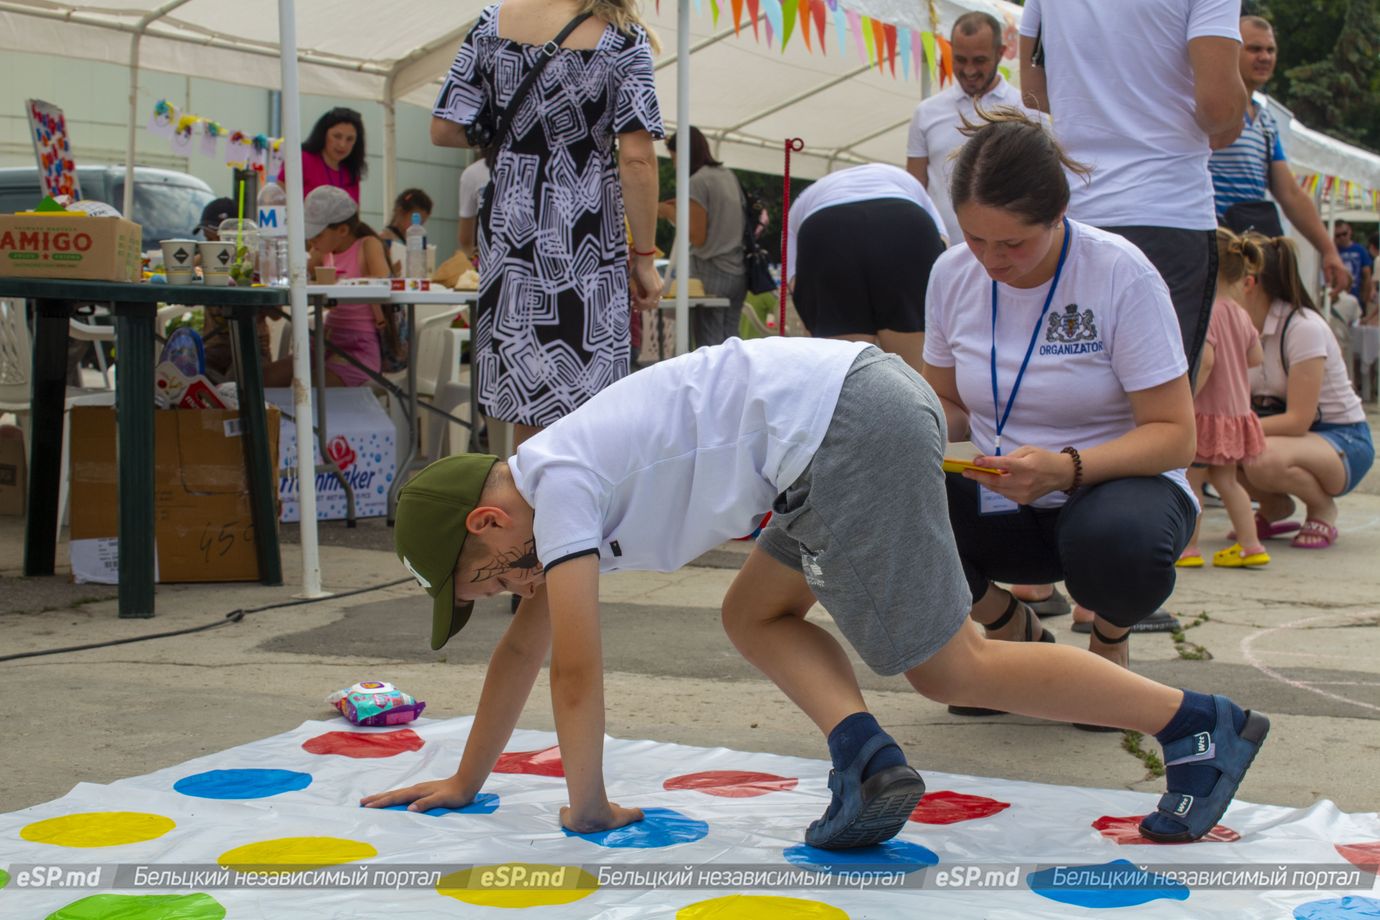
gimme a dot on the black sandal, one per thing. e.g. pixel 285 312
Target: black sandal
pixel 998 623
pixel 1097 634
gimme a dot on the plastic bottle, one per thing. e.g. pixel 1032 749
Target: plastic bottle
pixel 273 242
pixel 414 263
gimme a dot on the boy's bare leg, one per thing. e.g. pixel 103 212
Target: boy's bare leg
pixel 1041 679
pixel 764 614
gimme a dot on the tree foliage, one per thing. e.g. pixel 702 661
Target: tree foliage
pixel 1329 64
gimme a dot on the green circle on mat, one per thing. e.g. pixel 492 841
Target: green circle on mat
pixel 4 878
pixel 142 907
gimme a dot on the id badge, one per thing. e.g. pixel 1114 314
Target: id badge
pixel 990 502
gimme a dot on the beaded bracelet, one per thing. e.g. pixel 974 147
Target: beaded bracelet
pixel 1077 469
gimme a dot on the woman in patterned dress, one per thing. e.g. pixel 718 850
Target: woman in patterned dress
pixel 551 329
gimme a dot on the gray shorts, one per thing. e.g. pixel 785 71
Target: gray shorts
pixel 867 523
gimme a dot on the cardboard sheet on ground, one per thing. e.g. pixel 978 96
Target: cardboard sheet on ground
pixel 241 815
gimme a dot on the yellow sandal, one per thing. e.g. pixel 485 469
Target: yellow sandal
pixel 1234 557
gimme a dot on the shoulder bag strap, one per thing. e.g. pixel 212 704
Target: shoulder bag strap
pixel 548 51
pixel 1283 358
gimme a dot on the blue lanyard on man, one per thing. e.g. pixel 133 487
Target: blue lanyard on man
pixel 998 415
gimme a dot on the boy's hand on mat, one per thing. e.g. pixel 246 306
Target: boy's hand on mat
pixel 1030 473
pixel 606 818
pixel 437 793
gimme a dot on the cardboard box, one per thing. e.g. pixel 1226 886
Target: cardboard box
pixel 203 523
pixel 12 480
pixel 363 443
pixel 66 246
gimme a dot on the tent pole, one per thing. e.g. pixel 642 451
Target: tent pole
pixel 297 271
pixel 683 177
pixel 127 206
pixel 390 147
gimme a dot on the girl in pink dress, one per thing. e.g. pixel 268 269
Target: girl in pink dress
pixel 339 239
pixel 1229 433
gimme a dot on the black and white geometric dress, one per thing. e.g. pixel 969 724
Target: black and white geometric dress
pixel 551 328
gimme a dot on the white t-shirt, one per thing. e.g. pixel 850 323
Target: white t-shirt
pixel 472 182
pixel 1121 100
pixel 670 462
pixel 856 183
pixel 935 134
pixel 1309 336
pixel 1111 330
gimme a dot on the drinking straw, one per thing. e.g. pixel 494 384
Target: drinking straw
pixel 239 222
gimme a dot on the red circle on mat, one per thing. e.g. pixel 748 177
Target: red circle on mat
pixel 1361 854
pixel 731 784
pixel 364 745
pixel 944 807
pixel 546 762
pixel 1127 831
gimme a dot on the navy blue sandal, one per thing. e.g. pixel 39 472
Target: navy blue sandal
pixel 998 623
pixel 1224 750
pixel 872 810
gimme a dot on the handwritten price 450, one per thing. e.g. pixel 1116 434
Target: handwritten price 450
pixel 220 539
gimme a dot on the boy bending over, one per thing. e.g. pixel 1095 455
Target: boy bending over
pixel 844 444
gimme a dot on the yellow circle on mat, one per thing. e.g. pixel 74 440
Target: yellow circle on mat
pixel 518 885
pixel 759 907
pixel 295 854
pixel 98 829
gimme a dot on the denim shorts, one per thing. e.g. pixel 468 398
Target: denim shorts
pixel 1352 440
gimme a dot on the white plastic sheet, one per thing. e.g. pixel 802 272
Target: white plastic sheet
pixel 1040 826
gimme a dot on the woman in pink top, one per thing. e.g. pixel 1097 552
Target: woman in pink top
pixel 1229 434
pixel 1318 447
pixel 339 239
pixel 333 154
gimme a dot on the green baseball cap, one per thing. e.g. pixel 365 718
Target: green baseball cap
pixel 429 532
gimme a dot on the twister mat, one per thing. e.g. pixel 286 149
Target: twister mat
pixel 272 829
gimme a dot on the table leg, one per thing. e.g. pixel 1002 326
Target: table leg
pixel 135 456
pixel 404 465
pixel 49 402
pixel 475 421
pixel 260 468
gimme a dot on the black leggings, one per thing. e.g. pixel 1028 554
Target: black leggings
pixel 1113 544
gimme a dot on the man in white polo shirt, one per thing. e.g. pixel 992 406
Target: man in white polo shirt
pixel 934 129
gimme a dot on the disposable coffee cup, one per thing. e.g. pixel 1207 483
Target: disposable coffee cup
pixel 325 274
pixel 216 259
pixel 179 260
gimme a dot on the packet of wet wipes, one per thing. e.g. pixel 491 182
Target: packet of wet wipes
pixel 376 702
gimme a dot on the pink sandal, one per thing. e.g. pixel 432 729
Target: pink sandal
pixel 1266 529
pixel 1314 534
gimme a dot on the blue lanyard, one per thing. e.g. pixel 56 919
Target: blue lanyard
pixel 998 415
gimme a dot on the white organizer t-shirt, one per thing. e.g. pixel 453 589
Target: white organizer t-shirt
pixel 669 462
pixel 1121 100
pixel 1111 330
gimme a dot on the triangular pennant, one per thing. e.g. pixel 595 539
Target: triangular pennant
pixel 774 15
pixel 840 27
pixel 903 42
pixel 862 35
pixel 879 42
pixel 788 10
pixel 946 60
pixel 714 12
pixel 819 12
pixel 804 10
pixel 917 51
pixel 890 32
pixel 737 14
pixel 755 13
pixel 931 56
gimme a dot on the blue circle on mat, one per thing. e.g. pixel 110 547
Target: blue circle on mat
pixel 1114 884
pixel 659 827
pixel 1348 908
pixel 242 784
pixel 892 856
pixel 485 803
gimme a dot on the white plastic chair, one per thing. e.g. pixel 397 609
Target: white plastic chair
pixel 438 370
